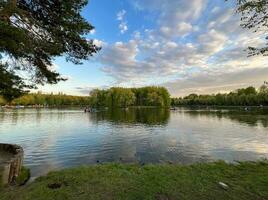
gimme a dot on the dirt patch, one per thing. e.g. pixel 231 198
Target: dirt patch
pixel 54 186
pixel 163 197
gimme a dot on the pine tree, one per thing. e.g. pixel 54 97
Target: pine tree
pixel 33 33
pixel 255 17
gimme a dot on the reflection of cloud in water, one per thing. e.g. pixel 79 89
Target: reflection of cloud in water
pixel 229 155
pixel 140 148
pixel 212 131
pixel 261 148
pixel 55 139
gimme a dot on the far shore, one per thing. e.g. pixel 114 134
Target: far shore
pixel 177 106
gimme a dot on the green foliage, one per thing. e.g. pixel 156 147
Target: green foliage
pixel 254 16
pixel 98 98
pixel 241 97
pixel 264 89
pixel 51 100
pixel 33 33
pixel 246 181
pixel 120 97
pixel 11 85
pixel 2 101
pixel 124 97
pixel 24 176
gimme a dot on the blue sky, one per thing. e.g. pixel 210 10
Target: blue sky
pixel 186 46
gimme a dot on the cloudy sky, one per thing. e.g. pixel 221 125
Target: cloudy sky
pixel 185 45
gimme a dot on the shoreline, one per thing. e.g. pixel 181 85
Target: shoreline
pixel 82 106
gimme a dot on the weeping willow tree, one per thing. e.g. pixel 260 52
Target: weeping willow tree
pixel 255 17
pixel 33 33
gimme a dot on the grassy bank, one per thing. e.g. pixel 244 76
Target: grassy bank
pixel 161 182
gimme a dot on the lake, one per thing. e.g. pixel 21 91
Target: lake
pixel 59 138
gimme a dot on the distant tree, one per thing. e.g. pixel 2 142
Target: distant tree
pixel 120 97
pixel 264 89
pixel 34 32
pixel 191 96
pixel 255 17
pixel 154 99
pixel 124 97
pixel 247 91
pixel 50 100
pixel 98 98
pixel 241 97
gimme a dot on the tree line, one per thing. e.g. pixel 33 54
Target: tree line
pixel 59 99
pixel 124 97
pixel 146 96
pixel 113 97
pixel 249 96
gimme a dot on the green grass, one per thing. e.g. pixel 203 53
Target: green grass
pixel 247 181
pixel 23 177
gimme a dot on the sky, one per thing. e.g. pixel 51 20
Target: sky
pixel 187 46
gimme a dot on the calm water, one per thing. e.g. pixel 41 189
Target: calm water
pixel 55 139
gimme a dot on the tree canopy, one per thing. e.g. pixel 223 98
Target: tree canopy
pixel 11 85
pixel 112 98
pixel 255 17
pixel 34 32
pixel 50 100
pixel 241 97
pixel 124 97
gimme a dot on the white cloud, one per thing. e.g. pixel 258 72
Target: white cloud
pixel 180 29
pixel 93 31
pixel 120 15
pixel 86 89
pixel 175 16
pixel 123 27
pixel 213 82
pixel 212 42
pixel 99 43
pixel 189 50
pixel 215 9
pixel 54 67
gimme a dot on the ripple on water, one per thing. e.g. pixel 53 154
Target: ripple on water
pixel 54 139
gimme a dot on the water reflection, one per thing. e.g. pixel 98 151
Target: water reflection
pixel 149 116
pixel 60 138
pixel 248 118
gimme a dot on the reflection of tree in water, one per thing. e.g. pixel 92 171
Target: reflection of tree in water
pixel 2 117
pixel 15 116
pixel 149 116
pixel 252 118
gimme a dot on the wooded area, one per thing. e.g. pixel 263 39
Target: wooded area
pixel 113 97
pixel 240 97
